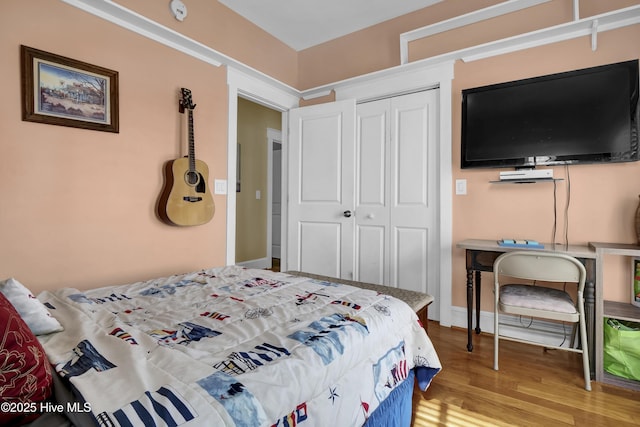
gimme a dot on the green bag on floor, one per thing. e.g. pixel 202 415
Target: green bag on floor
pixel 622 348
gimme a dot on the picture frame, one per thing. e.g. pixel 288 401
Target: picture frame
pixel 61 91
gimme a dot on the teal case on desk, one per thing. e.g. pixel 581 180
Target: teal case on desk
pixel 527 244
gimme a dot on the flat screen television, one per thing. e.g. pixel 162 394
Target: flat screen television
pixel 583 116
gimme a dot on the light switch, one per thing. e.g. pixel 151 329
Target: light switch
pixel 258 195
pixel 220 186
pixel 461 187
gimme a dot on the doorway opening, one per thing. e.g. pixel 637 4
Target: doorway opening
pixel 258 133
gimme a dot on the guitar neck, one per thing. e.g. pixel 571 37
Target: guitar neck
pixel 192 146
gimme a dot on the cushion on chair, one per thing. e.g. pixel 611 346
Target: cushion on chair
pixel 537 297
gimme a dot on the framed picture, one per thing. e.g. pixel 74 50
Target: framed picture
pixel 62 91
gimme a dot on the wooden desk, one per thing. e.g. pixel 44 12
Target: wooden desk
pixel 480 255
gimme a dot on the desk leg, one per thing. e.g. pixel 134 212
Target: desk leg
pixel 589 314
pixel 469 309
pixel 478 293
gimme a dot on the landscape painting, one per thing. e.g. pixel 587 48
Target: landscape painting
pixel 66 92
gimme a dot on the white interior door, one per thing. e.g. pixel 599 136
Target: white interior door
pixel 321 189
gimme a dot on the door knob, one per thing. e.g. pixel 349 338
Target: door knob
pixel 347 214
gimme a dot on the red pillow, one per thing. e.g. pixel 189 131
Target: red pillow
pixel 25 373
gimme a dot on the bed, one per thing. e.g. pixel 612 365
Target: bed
pixel 232 346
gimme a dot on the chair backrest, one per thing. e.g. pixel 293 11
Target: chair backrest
pixel 542 266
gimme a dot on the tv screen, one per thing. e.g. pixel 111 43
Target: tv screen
pixel 582 116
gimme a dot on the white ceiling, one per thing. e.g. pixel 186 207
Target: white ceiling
pixel 305 23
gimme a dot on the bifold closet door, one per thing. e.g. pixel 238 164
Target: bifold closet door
pixel 395 191
pixel 362 191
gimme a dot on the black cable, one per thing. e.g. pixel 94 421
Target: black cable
pixel 566 211
pixel 555 215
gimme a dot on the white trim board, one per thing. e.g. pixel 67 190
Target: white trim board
pixel 461 21
pixel 274 136
pixel 256 90
pixel 589 26
pixel 260 263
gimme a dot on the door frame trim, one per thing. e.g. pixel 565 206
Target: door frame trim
pixel 274 136
pixel 242 85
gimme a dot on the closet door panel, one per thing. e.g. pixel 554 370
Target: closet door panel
pixel 413 176
pixel 371 246
pixel 320 248
pixel 411 155
pixel 410 253
pixel 372 192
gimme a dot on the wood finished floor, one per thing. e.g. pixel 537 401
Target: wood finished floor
pixel 532 388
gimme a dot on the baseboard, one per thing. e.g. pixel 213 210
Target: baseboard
pixel 551 333
pixel 260 263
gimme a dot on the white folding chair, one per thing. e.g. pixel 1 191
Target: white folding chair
pixel 540 301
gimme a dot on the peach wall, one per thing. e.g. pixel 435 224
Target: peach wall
pixel 78 206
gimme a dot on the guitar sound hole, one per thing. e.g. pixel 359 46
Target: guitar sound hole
pixel 192 178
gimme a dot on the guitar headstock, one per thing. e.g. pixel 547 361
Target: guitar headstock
pixel 186 101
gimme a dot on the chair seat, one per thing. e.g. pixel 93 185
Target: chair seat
pixel 537 298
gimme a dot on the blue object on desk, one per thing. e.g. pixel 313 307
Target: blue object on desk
pixel 528 244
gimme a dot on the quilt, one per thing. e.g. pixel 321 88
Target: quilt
pixel 232 346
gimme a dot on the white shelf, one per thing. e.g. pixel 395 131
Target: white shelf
pixel 461 21
pixel 612 309
pixel 589 26
pixel 621 311
pixel 526 180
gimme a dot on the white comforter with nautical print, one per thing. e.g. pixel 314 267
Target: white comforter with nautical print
pixel 235 347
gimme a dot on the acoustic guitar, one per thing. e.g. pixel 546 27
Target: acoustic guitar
pixel 187 198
